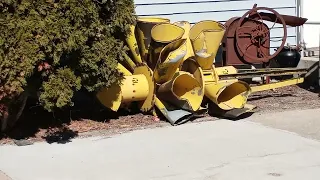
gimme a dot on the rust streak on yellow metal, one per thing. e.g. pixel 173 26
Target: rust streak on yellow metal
pixel 277 85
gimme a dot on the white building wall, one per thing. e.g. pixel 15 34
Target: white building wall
pixel 219 10
pixel 311 10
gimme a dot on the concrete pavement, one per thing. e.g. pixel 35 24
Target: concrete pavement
pixel 305 122
pixel 3 176
pixel 224 150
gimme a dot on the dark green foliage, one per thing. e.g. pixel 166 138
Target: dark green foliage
pixel 56 47
pixel 59 89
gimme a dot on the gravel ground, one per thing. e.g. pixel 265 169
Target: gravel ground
pixel 282 99
pixel 78 128
pixel 287 98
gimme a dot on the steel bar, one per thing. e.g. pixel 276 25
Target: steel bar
pixel 313 22
pixel 270 70
pixel 262 72
pixel 276 85
pixel 289 20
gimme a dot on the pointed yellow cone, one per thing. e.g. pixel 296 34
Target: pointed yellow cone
pixel 206 37
pixel 143 33
pixel 228 95
pixel 193 67
pixel 186 26
pixel 170 59
pixel 162 35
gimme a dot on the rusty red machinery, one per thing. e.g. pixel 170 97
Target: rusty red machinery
pixel 247 39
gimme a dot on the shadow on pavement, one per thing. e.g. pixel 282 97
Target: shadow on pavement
pixel 62 136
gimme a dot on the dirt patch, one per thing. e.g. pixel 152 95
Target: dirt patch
pixel 37 127
pixel 63 133
pixel 287 98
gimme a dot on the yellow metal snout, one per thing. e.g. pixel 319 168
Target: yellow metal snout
pixel 137 87
pixel 183 91
pixel 206 37
pixel 228 95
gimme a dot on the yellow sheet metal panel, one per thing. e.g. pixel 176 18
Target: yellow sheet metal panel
pixel 206 37
pixel 124 70
pixel 170 59
pixel 202 53
pixel 162 35
pixel 160 106
pixel 166 33
pixel 143 33
pixel 187 96
pixel 133 45
pixel 228 95
pixel 210 76
pixel 277 85
pixel 226 70
pixel 234 95
pixel 110 97
pixel 148 103
pixel 186 26
pixel 204 26
pixel 129 62
pixel 152 20
pixel 193 68
pixel 134 88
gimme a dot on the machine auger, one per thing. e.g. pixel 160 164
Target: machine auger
pixel 171 67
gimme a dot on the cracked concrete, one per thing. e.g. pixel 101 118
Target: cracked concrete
pixel 223 150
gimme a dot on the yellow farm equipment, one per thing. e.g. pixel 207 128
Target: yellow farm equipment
pixel 171 67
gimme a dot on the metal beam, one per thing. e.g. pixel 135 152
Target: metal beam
pixel 313 22
pixel 251 73
pixel 276 85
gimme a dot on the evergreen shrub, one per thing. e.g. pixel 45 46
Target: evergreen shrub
pixel 54 48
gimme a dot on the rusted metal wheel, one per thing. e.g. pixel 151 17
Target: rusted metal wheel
pixel 259 35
